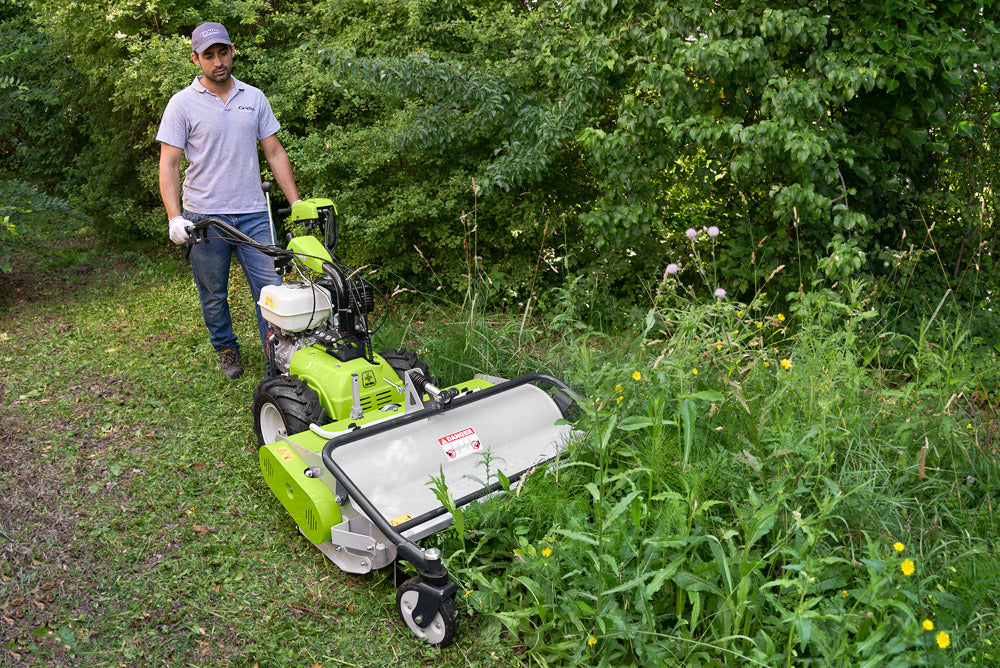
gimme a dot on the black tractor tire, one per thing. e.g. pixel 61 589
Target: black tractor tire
pixel 401 360
pixel 283 406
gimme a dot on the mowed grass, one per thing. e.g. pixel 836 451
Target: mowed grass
pixel 136 529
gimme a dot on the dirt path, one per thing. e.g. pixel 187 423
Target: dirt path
pixel 46 571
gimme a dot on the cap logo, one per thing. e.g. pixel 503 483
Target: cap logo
pixel 210 31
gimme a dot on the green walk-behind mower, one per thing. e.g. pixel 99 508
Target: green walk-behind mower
pixel 350 439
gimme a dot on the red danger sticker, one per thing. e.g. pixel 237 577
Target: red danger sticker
pixel 460 444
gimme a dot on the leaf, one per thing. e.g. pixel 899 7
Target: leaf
pixel 662 576
pixel 721 561
pixel 575 535
pixel 706 395
pixel 693 583
pixel 504 480
pixel 805 631
pixel 634 583
pixel 619 508
pixel 636 422
pixel 760 524
pixel 689 409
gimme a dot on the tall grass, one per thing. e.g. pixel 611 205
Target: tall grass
pixel 753 488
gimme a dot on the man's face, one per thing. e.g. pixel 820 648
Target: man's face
pixel 216 62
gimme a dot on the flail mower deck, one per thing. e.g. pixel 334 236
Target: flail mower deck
pixel 350 439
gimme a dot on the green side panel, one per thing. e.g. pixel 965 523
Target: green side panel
pixel 311 251
pixel 331 379
pixel 310 441
pixel 309 502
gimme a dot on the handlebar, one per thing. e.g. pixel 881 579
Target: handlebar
pixel 199 233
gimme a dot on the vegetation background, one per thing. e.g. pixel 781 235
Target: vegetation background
pixel 760 236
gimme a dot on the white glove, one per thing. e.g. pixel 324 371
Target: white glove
pixel 180 229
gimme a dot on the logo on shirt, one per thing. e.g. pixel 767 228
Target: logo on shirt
pixel 241 108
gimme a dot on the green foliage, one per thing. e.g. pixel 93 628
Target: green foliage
pixel 39 137
pixel 7 230
pixel 812 131
pixel 737 493
pixel 417 122
pixel 581 136
pixel 18 202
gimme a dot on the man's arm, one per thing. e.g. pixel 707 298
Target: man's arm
pixel 281 167
pixel 170 179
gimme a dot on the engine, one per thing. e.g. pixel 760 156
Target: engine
pixel 297 312
pixel 304 313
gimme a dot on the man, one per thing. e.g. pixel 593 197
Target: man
pixel 216 122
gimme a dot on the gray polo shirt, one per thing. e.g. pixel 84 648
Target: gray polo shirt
pixel 220 142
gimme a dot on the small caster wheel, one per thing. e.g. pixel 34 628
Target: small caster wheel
pixel 441 630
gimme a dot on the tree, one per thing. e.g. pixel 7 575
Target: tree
pixel 507 141
pixel 804 129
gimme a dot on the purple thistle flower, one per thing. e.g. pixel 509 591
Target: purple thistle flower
pixel 720 293
pixel 713 231
pixel 672 268
pixel 691 233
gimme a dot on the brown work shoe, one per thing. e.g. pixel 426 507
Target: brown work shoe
pixel 229 362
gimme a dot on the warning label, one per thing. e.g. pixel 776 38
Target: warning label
pixel 285 453
pixel 460 444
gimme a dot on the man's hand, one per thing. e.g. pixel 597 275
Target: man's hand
pixel 180 229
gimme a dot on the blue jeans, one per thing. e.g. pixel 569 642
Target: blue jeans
pixel 210 262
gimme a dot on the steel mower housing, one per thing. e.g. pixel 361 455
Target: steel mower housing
pixel 352 442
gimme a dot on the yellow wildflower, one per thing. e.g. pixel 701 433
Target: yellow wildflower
pixel 899 547
pixel 718 346
pixel 907 567
pixel 618 399
pixel 468 593
pixel 781 318
pixel 767 364
pixel 618 387
pixel 636 375
pixel 694 372
pixel 943 640
pixel 759 325
pixel 547 551
pixel 928 625
pixel 843 593
pixel 593 641
pixel 786 364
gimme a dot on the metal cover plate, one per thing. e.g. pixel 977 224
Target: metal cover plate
pixel 510 431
